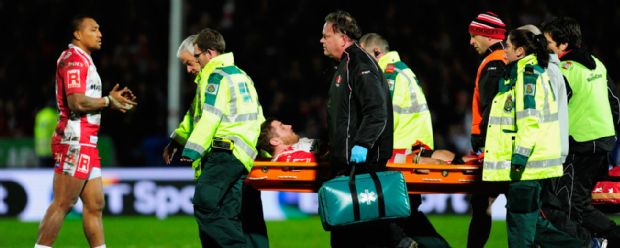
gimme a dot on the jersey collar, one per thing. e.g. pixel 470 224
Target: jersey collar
pixel 83 53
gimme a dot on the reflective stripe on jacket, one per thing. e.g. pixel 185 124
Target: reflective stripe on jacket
pixel 559 90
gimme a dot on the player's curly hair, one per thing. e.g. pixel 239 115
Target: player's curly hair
pixel 266 133
pixel 344 23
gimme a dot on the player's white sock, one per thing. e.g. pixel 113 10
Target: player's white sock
pixel 101 246
pixel 41 246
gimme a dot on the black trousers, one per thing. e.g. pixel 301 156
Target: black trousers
pixel 252 218
pixel 567 201
pixel 217 201
pixel 481 222
pixel 419 228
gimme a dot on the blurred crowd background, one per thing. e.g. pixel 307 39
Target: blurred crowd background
pixel 276 43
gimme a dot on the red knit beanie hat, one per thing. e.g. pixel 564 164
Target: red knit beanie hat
pixel 489 25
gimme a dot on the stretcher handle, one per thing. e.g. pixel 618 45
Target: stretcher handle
pixel 295 164
pixel 287 177
pixel 389 165
pixel 257 178
pixel 433 166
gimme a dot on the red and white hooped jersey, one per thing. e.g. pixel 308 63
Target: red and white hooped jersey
pixel 76 73
pixel 299 152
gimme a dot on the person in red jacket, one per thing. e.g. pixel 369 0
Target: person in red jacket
pixel 487 33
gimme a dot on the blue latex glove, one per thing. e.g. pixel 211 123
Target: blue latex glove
pixel 358 154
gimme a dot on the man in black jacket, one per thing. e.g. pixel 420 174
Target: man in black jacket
pixel 359 109
pixel 360 124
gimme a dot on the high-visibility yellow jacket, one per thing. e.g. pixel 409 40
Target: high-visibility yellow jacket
pixel 412 119
pixel 590 115
pixel 523 125
pixel 225 106
pixel 44 126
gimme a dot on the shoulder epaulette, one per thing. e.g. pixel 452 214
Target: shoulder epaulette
pixel 212 88
pixel 230 69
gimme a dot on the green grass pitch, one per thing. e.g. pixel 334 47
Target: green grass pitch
pixel 181 232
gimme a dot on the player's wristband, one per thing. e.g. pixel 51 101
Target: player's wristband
pixel 107 101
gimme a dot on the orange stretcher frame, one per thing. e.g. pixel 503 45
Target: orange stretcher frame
pixel 420 178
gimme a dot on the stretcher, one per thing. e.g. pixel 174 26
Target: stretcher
pixel 421 178
pixel 606 193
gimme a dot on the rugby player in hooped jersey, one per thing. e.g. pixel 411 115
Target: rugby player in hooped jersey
pixel 74 143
